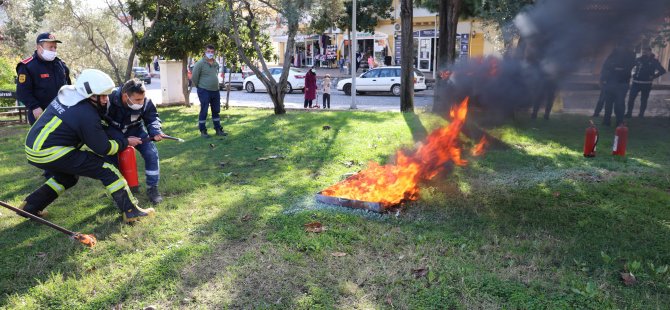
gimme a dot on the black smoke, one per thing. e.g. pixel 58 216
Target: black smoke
pixel 555 37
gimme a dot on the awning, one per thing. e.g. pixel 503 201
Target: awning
pixel 368 36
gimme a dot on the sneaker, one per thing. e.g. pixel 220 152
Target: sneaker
pixel 136 213
pixel 204 134
pixel 220 132
pixel 154 196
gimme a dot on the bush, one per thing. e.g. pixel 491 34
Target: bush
pixel 7 74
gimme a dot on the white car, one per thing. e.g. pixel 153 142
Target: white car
pixel 296 80
pixel 382 79
pixel 236 78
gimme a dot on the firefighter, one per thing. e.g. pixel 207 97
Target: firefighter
pixel 131 114
pixel 615 78
pixel 41 76
pixel 71 121
pixel 647 68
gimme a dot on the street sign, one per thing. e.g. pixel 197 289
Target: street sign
pixel 7 94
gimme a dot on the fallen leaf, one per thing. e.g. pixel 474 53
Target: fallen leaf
pixel 118 307
pixel 420 273
pixel 246 217
pixel 258 148
pixel 556 194
pixel 326 127
pixel 314 227
pixel 41 254
pixel 211 145
pixel 628 278
pixel 338 254
pixel 270 157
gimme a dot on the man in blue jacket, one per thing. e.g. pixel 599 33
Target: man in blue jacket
pixel 41 76
pixel 54 143
pixel 129 112
pixel 647 68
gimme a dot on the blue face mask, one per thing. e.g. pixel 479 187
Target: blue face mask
pixel 209 55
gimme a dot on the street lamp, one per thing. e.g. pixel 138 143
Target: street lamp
pixel 353 55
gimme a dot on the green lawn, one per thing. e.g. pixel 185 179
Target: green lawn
pixel 532 224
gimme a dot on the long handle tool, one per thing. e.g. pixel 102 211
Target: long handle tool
pixel 87 240
pixel 147 139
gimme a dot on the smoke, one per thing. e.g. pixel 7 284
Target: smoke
pixel 556 36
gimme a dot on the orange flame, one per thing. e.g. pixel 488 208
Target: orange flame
pixel 478 150
pixel 393 183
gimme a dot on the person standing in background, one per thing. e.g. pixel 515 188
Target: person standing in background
pixel 310 88
pixel 204 77
pixel 326 91
pixel 41 76
pixel 647 68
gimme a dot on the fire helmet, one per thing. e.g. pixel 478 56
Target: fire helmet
pixel 94 82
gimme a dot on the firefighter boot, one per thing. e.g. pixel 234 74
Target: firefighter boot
pixel 131 212
pixel 154 196
pixel 38 200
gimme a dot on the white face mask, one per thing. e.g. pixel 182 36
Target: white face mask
pixel 134 106
pixel 209 55
pixel 48 55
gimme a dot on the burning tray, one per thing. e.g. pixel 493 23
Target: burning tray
pixel 352 203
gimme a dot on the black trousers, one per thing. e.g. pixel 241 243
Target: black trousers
pixel 326 100
pixel 644 90
pixel 308 103
pixel 65 174
pixel 615 99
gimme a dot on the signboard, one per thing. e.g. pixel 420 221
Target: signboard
pixel 331 52
pixel 7 94
pixel 426 33
pixel 397 46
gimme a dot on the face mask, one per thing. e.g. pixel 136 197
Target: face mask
pixel 134 106
pixel 48 55
pixel 209 55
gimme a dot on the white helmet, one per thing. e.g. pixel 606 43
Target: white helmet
pixel 94 82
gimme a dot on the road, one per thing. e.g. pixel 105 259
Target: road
pixel 339 101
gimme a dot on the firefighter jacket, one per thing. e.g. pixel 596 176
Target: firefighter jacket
pixel 617 67
pixel 69 122
pixel 123 118
pixel 40 80
pixel 647 68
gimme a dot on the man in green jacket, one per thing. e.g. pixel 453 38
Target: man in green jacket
pixel 204 78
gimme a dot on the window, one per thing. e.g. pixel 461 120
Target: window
pixel 386 73
pixel 371 74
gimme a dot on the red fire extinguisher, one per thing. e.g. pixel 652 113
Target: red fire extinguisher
pixel 591 141
pixel 128 166
pixel 620 140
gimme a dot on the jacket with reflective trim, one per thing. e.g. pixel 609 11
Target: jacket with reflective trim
pixel 123 118
pixel 62 129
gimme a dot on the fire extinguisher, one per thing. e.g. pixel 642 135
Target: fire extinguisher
pixel 128 166
pixel 620 140
pixel 591 141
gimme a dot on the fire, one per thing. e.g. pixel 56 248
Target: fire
pixel 390 184
pixel 478 150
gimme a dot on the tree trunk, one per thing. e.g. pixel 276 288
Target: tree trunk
pixel 184 81
pixel 407 60
pixel 446 51
pixel 230 74
pixel 277 97
pixel 129 64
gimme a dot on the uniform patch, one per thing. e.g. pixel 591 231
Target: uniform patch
pixel 27 60
pixel 22 78
pixel 44 75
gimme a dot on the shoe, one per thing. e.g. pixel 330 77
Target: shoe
pixel 204 134
pixel 220 132
pixel 135 213
pixel 154 196
pixel 34 210
pixel 628 115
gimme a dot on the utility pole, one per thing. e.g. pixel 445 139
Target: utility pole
pixel 353 56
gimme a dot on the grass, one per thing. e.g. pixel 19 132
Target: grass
pixel 531 225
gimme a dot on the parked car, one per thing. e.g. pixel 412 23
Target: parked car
pixel 142 74
pixel 296 80
pixel 382 79
pixel 236 78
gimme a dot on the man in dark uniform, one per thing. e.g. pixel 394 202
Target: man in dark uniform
pixel 41 76
pixel 129 112
pixel 71 121
pixel 615 78
pixel 647 68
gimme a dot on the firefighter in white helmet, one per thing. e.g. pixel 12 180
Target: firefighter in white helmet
pixel 70 121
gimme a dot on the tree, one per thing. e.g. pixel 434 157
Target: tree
pixel 407 61
pixel 502 13
pixel 244 16
pixel 23 18
pixel 177 30
pixel 120 11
